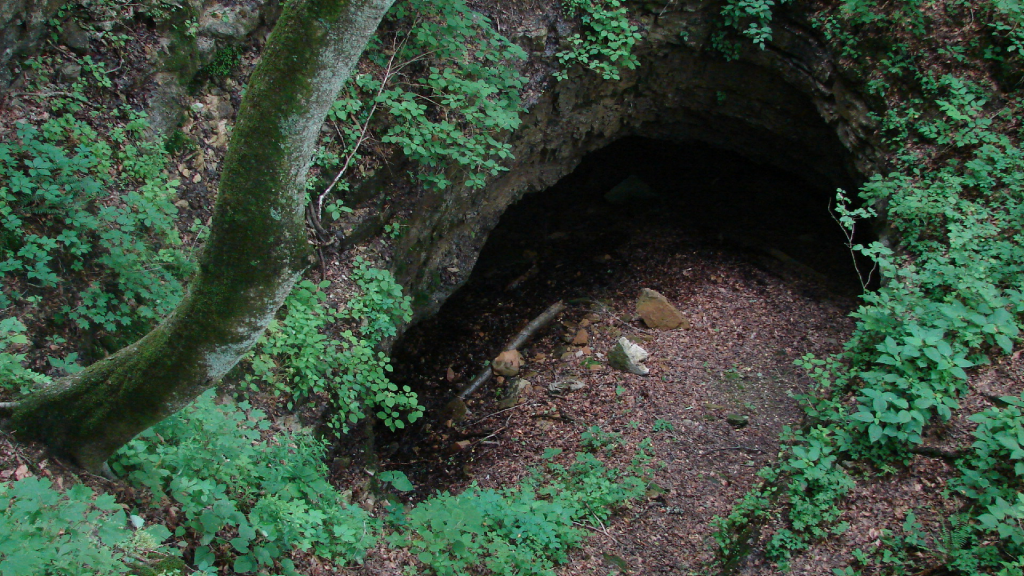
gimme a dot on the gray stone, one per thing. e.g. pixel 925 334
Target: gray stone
pixel 69 72
pixel 516 390
pixel 628 357
pixel 563 386
pixel 75 38
pixel 228 22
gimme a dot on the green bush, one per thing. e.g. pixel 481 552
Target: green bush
pixel 297 357
pixel 527 529
pixel 950 295
pixel 75 533
pixel 992 475
pixel 247 500
pixel 90 209
pixel 13 375
pixel 606 44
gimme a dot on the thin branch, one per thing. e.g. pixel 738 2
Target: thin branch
pixel 389 72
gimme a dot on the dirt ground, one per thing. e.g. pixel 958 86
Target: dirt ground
pixel 750 316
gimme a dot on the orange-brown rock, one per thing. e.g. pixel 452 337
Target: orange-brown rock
pixel 658 313
pixel 507 363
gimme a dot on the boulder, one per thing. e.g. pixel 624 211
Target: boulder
pixel 628 357
pixel 658 313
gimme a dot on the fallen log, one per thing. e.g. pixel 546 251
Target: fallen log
pixel 514 344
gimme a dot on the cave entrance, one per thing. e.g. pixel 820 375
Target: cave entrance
pixel 748 252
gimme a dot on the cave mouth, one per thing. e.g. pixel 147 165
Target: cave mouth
pixel 638 212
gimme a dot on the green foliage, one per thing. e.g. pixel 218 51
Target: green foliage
pixel 992 474
pixel 606 44
pixel 528 529
pixel 247 500
pixel 13 375
pixel 752 18
pixel 46 532
pixel 950 295
pixel 298 357
pixel 450 90
pixel 93 210
pixel 662 426
pixel 224 62
pixel 595 439
pixel 815 485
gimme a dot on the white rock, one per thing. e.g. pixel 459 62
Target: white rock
pixel 628 356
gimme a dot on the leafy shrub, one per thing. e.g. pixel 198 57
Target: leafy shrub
pixel 606 45
pixel 223 63
pixel 594 439
pixel 449 87
pixel 92 209
pixel 246 499
pixel 381 306
pixel 297 357
pixel 13 375
pixel 951 293
pixel 527 529
pixel 992 474
pixel 43 531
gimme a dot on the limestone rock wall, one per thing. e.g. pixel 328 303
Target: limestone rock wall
pixel 22 23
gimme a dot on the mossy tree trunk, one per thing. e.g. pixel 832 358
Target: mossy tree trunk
pixel 256 250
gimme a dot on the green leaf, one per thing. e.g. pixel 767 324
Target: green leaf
pixel 398 480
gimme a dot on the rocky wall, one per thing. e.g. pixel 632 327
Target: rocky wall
pixel 785 105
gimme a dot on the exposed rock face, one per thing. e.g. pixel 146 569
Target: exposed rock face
pixel 22 23
pixel 785 106
pixel 658 313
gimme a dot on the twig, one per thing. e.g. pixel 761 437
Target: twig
pixel 525 334
pixel 314 214
pixel 492 414
pixel 491 435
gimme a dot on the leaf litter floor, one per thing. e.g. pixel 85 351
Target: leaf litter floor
pixel 752 315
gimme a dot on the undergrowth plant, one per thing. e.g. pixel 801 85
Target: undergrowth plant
pixel 951 293
pixel 247 500
pixel 299 358
pixel 441 86
pixel 526 529
pixel 86 216
pixel 606 43
pixel 14 377
pixel 74 532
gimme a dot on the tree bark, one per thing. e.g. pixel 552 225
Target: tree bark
pixel 256 251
